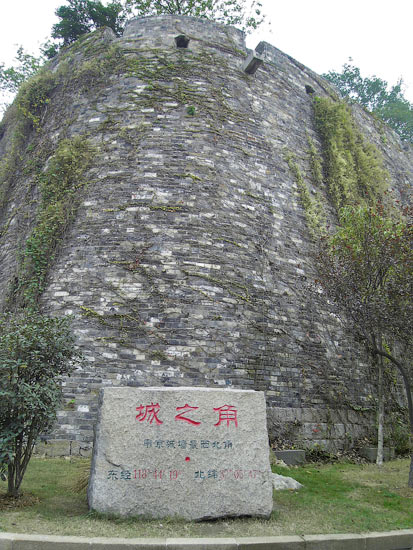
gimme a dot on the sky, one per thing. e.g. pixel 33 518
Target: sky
pixel 321 34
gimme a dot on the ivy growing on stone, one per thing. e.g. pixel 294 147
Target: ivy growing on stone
pixel 353 168
pixel 313 205
pixel 59 186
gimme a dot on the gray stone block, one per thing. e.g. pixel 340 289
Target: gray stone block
pixel 80 449
pixel 6 541
pixel 252 63
pixel 195 453
pixel 99 543
pixel 53 448
pixel 201 544
pixel 271 543
pixel 284 483
pixel 392 540
pixel 48 542
pixel 335 542
pixel 292 457
pixel 370 453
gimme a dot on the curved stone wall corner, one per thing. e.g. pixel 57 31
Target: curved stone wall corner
pixel 188 257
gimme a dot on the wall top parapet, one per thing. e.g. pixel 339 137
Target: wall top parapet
pixel 161 30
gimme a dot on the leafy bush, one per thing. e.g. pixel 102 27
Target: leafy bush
pixel 35 351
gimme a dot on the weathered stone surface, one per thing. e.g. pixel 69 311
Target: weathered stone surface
pixel 62 447
pixel 252 63
pixel 283 483
pixel 189 452
pixel 336 542
pixel 53 448
pixel 291 457
pixel 370 453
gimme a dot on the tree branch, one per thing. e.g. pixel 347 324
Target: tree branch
pixel 406 381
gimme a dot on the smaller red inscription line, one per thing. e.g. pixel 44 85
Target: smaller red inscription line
pixel 174 475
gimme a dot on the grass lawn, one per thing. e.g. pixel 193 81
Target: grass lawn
pixel 336 498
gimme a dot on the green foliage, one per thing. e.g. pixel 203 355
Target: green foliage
pixel 399 116
pixel 313 205
pixel 400 436
pixel 371 255
pixel 58 186
pixel 373 93
pixel 34 352
pixel 11 78
pixel 83 16
pixel 34 95
pixel 246 14
pixel 93 72
pixel 353 168
pixel 316 164
pixel 366 269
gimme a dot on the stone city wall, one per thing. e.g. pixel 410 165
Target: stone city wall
pixel 188 260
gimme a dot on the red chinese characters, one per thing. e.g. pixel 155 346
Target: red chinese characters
pixel 186 409
pixel 227 413
pixel 149 413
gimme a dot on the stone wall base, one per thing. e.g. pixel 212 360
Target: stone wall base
pixel 53 448
pixel 332 430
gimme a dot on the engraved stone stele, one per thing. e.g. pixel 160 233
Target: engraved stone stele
pixel 195 453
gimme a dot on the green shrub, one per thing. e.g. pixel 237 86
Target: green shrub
pixel 34 352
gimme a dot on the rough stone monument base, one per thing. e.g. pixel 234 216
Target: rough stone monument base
pixel 194 453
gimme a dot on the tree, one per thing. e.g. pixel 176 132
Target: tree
pixel 83 16
pixel 27 65
pixel 366 269
pixel 35 351
pixel 373 93
pixel 246 14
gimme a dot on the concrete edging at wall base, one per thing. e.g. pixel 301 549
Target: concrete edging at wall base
pixel 392 540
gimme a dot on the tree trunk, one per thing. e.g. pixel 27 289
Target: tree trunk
pixel 12 490
pixel 408 389
pixel 380 414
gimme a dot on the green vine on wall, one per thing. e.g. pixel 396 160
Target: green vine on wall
pixel 58 186
pixel 30 106
pixel 166 74
pixel 313 206
pixel 350 170
pixel 28 111
pixel 353 168
pixel 34 95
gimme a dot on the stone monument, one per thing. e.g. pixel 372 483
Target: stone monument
pixel 196 453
